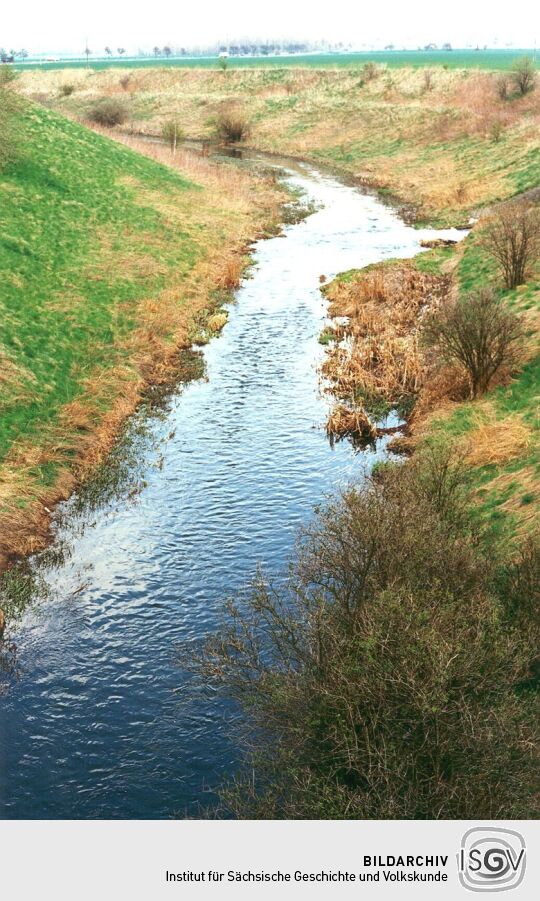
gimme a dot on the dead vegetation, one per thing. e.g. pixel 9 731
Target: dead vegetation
pixel 494 442
pixel 376 362
pixel 232 126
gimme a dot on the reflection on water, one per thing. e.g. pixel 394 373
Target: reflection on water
pixel 95 723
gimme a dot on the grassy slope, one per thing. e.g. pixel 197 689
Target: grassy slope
pixel 502 429
pixel 435 148
pixel 66 208
pixel 107 258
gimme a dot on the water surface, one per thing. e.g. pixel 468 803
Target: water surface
pixel 95 722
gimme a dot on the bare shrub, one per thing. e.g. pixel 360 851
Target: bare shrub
pixel 512 238
pixel 524 75
pixel 232 126
pixel 370 71
pixel 496 131
pixel 125 82
pixel 67 89
pixel 385 680
pixel 502 85
pixel 108 112
pixel 479 332
pixel 427 80
pixel 461 192
pixel 173 134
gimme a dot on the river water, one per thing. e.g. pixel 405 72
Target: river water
pixel 97 721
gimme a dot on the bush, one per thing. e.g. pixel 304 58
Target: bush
pixel 108 112
pixel 496 130
pixel 173 134
pixel 479 333
pixel 512 238
pixel 427 80
pixel 125 82
pixel 232 126
pixel 502 85
pixel 390 682
pixel 524 75
pixel 370 71
pixel 66 90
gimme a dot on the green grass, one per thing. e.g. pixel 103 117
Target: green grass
pixel 483 59
pixel 512 484
pixel 66 208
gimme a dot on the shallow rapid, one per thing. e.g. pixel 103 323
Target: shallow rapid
pixel 97 721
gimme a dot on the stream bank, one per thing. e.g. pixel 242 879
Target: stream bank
pixel 97 720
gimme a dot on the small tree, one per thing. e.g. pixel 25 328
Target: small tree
pixel 524 75
pixel 387 678
pixel 173 133
pixel 512 238
pixel 222 63
pixel 478 332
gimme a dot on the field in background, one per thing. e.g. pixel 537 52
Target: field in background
pixel 483 59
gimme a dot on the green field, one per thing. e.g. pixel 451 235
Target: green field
pixel 455 59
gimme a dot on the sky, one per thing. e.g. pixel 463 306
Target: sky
pixel 64 25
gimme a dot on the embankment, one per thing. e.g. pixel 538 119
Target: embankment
pixel 112 263
pixel 443 141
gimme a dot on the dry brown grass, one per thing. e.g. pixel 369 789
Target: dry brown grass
pixel 344 422
pixel 497 441
pixel 379 355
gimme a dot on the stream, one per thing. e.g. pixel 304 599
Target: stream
pixel 96 720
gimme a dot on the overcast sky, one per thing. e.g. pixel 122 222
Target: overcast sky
pixel 64 25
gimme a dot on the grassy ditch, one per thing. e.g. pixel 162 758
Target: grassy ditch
pixel 443 141
pixel 112 262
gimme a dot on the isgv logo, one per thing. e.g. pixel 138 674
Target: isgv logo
pixel 491 859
